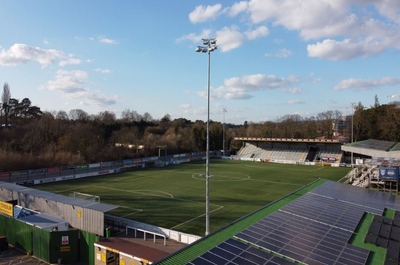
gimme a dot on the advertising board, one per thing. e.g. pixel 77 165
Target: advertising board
pixel 389 173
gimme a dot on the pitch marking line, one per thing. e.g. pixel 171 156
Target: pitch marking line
pixel 228 178
pixel 219 207
pixel 144 192
pixel 134 210
pixel 190 220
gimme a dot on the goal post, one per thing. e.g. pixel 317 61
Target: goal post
pixel 85 196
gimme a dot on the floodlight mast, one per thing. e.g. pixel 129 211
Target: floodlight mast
pixel 353 106
pixel 210 45
pixel 223 132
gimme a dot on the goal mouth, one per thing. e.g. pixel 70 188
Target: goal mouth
pixel 85 196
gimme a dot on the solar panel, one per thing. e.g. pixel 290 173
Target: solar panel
pixel 241 260
pixel 252 257
pixel 214 258
pixel 236 244
pixel 390 262
pixel 201 261
pixel 393 250
pixel 222 253
pixel 395 233
pixel 382 242
pixel 370 239
pixel 313 229
pixel 385 231
pixel 374 228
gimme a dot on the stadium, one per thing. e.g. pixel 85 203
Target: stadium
pixel 277 201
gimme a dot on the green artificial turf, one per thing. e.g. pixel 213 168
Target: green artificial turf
pixel 174 196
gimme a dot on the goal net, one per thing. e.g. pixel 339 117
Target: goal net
pixel 85 196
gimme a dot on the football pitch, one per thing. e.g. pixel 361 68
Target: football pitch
pixel 174 196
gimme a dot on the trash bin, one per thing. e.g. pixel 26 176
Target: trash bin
pixel 108 232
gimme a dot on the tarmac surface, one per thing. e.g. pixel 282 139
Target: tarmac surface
pixel 13 256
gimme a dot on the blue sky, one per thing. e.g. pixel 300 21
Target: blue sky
pixel 274 57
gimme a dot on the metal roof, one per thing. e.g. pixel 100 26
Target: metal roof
pixel 96 206
pixel 374 144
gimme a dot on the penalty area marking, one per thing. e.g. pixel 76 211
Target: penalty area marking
pixel 157 193
pixel 218 178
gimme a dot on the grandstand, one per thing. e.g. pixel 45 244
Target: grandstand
pixel 294 151
pixel 369 158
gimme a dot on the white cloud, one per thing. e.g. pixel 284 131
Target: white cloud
pixel 295 102
pixel 73 84
pixel 389 9
pixel 243 87
pixel 185 106
pixel 107 40
pixel 261 31
pixel 22 53
pixel 344 29
pixel 96 99
pixel 68 81
pixel 344 50
pixel 69 61
pixel 229 39
pixel 282 53
pixel 295 90
pixel 196 38
pixel 335 30
pixel 238 8
pixel 103 71
pixel 365 84
pixel 204 13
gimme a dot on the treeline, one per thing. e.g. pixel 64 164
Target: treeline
pixel 46 139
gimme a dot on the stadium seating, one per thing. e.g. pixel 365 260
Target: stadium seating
pixel 265 152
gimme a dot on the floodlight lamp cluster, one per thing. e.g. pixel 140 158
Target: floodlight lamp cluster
pixel 210 45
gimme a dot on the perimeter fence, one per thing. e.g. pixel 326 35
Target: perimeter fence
pixel 44 175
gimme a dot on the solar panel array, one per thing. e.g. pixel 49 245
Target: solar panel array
pixel 313 229
pixel 385 232
pixel 236 252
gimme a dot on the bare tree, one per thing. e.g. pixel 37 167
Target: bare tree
pixel 106 117
pixel 78 115
pixel 147 117
pixel 128 115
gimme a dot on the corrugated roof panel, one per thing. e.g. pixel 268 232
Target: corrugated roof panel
pixel 97 206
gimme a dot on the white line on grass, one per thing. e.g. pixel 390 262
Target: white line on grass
pixel 190 220
pixel 134 210
pixel 276 182
pixel 219 207
pixel 144 192
pixel 228 178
